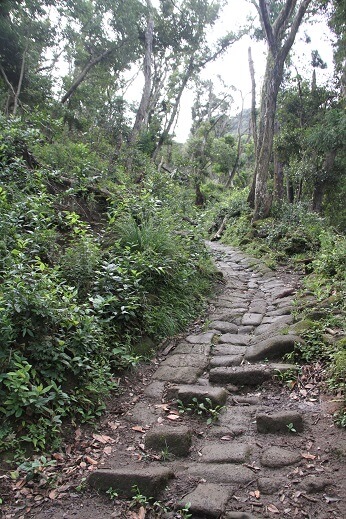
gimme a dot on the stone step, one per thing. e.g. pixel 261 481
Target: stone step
pixel 219 452
pixel 207 500
pixel 272 348
pixel 281 422
pixel 186 393
pixel 229 473
pixel 173 440
pixel 249 375
pixel 149 480
pixel 226 360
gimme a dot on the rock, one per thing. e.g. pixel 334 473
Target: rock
pixel 275 327
pixel 231 338
pixel 193 349
pixel 184 375
pixel 315 484
pixel 275 457
pixel 150 480
pixel 226 360
pixel 202 338
pixel 226 453
pixel 268 486
pixel 217 395
pixel 207 500
pixel 176 440
pixel 183 361
pixel 245 329
pixel 272 348
pixel 221 473
pixel 142 414
pixel 251 319
pixel 279 422
pixel 155 390
pixel 228 349
pixel 251 375
pixel 285 310
pixel 224 326
pixel 301 327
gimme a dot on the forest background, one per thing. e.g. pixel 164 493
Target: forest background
pixel 104 214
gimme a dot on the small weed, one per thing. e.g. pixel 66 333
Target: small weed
pixel 166 455
pixel 204 409
pixel 183 513
pixel 112 493
pixel 290 427
pixel 139 499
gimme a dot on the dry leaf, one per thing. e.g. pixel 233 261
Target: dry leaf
pixel 58 456
pixel 257 494
pixel 107 450
pixel 78 433
pixel 273 509
pixel 173 417
pixel 226 438
pixel 308 456
pixel 53 494
pixel 91 461
pixel 138 428
pixel 103 438
pixel 113 425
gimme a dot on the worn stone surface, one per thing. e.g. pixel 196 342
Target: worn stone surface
pixel 142 414
pixel 275 457
pixel 226 453
pixel 193 349
pixel 183 375
pixel 252 319
pixel 202 338
pixel 268 486
pixel 226 360
pixel 236 339
pixel 150 480
pixel 272 348
pixel 176 440
pixel 316 484
pixel 181 361
pixel 155 390
pixel 228 349
pixel 224 326
pixel 279 422
pixel 240 515
pixel 217 395
pixel 207 500
pixel 221 473
pixel 250 375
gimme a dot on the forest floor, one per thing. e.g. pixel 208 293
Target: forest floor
pixel 271 449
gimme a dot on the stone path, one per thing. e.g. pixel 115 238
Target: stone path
pixel 263 457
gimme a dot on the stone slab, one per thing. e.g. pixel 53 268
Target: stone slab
pixel 239 515
pixel 232 338
pixel 176 440
pixel 192 349
pixel 183 375
pixel 228 349
pixel 226 360
pixel 150 480
pixel 217 395
pixel 224 326
pixel 201 338
pixel 155 390
pixel 276 457
pixel 221 473
pixel 183 361
pixel 251 319
pixel 207 500
pixel 226 452
pixel 251 375
pixel 279 422
pixel 272 348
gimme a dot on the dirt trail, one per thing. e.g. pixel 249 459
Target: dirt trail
pixel 271 453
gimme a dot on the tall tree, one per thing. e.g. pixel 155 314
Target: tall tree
pixel 280 29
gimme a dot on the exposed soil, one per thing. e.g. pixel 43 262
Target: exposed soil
pixel 305 477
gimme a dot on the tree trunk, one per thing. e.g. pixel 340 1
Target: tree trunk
pixel 253 100
pixel 278 172
pixel 143 110
pixel 280 36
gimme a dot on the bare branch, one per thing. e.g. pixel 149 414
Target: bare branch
pixel 267 25
pixel 283 16
pixel 294 29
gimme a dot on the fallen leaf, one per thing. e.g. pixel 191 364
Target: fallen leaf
pixel 91 461
pixel 273 509
pixel 138 428
pixel 78 433
pixel 107 450
pixel 332 499
pixel 308 456
pixel 173 417
pixel 52 494
pixel 58 456
pixel 226 438
pixel 103 438
pixel 164 407
pixel 113 425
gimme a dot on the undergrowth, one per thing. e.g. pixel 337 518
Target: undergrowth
pixel 83 293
